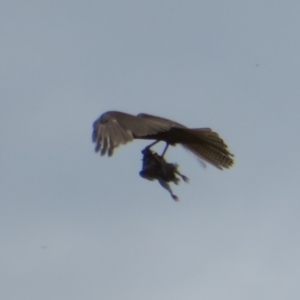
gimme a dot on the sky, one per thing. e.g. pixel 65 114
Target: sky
pixel 75 225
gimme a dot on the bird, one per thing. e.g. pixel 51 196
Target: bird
pixel 155 167
pixel 115 128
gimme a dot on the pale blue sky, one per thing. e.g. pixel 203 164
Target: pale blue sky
pixel 74 225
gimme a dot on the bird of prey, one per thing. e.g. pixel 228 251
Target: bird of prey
pixel 115 128
pixel 155 167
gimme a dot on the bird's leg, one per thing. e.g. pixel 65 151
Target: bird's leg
pixel 165 150
pixel 185 179
pixel 149 146
pixel 165 185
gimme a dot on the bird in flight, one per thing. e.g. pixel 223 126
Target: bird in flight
pixel 115 128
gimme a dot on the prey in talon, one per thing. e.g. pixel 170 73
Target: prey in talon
pixel 115 128
pixel 155 167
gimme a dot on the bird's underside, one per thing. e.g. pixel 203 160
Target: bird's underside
pixel 114 128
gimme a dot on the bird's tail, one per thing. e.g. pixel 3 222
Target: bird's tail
pixel 208 146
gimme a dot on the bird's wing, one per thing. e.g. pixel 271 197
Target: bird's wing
pixel 114 128
pixel 151 125
pixel 109 134
pixel 157 124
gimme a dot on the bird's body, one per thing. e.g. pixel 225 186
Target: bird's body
pixel 114 128
pixel 157 168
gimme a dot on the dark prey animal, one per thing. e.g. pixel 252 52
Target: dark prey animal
pixel 115 128
pixel 155 167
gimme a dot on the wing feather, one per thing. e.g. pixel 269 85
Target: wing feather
pixel 114 128
pixel 153 124
pixel 104 145
pixel 108 134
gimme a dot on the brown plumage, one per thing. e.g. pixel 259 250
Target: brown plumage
pixel 115 128
pixel 157 168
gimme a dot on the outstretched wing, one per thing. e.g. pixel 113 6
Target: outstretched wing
pixel 157 124
pixel 114 128
pixel 109 134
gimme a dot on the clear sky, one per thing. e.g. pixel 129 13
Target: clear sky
pixel 74 225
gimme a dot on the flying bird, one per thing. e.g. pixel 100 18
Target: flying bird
pixel 115 128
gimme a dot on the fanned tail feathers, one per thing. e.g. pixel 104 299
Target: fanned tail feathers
pixel 210 147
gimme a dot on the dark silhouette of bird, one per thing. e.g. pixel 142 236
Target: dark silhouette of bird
pixel 115 128
pixel 155 167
